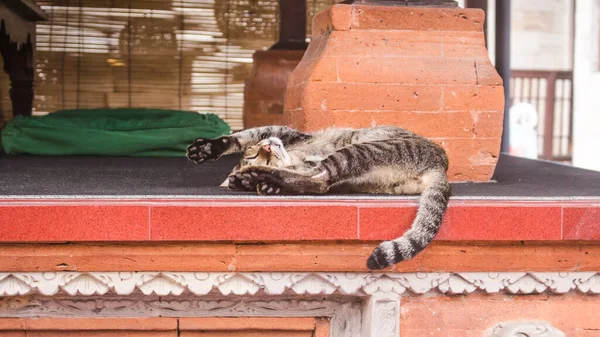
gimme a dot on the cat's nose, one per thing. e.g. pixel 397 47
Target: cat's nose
pixel 267 147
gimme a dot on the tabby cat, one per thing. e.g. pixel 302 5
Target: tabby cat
pixel 385 159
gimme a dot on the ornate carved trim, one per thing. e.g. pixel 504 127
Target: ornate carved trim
pixel 355 284
pixel 526 329
pixel 343 312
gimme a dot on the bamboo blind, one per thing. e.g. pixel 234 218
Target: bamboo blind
pixel 182 54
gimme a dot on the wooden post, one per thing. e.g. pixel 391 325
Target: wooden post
pixel 292 25
pixel 503 62
pixel 17 45
pixel 18 64
pixel 549 116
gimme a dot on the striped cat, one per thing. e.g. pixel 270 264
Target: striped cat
pixel 279 160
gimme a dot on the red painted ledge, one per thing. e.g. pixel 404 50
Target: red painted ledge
pixel 289 220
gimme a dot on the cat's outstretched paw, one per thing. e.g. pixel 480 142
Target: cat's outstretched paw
pixel 203 149
pixel 241 182
pixel 268 189
pixel 265 180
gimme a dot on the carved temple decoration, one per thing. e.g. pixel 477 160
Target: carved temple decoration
pixel 358 304
pixel 288 283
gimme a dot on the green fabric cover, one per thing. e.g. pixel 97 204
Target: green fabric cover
pixel 114 132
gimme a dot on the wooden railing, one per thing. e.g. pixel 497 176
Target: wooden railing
pixel 551 93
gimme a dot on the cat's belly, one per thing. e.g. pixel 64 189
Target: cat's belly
pixel 385 180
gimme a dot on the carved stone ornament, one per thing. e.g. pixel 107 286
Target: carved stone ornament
pixel 358 304
pixel 269 283
pixel 527 329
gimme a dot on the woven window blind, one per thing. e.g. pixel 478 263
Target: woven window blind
pixel 182 54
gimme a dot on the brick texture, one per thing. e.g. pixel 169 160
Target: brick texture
pixel 266 85
pixel 576 316
pixel 423 69
pixel 289 220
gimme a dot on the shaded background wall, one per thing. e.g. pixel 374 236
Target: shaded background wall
pixel 196 55
pixel 186 54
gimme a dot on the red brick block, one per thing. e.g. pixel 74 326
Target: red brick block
pixel 486 73
pixel 416 18
pixel 402 70
pixel 77 325
pixel 427 124
pixel 423 69
pixel 474 98
pixel 480 151
pixel 335 18
pixel 458 172
pixel 384 43
pixel 73 223
pixel 324 69
pixel 466 223
pixel 487 124
pixel 385 223
pixel 464 44
pixel 581 223
pixel 370 97
pixel 253 221
pixel 502 223
pixel 476 314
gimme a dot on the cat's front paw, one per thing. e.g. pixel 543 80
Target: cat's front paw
pixel 239 182
pixel 268 189
pixel 203 149
pixel 265 180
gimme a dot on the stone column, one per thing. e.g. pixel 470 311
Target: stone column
pixel 265 87
pixel 423 68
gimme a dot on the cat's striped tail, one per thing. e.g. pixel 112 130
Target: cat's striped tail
pixel 432 205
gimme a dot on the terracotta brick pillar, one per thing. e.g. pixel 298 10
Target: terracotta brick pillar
pixel 264 90
pixel 424 69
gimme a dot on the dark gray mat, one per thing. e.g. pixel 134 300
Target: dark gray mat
pixel 34 176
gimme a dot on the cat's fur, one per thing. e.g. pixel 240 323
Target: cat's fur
pixel 371 160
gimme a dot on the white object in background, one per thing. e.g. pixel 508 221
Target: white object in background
pixel 523 131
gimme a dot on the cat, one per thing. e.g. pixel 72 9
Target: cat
pixel 382 159
pixel 267 152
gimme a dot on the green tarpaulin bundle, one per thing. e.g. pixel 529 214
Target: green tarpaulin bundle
pixel 110 132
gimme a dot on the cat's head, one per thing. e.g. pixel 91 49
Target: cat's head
pixel 268 152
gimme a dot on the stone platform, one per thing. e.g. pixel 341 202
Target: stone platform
pixel 171 199
pixel 86 241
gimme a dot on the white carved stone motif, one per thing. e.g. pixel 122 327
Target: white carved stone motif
pixel 356 284
pixel 363 304
pixel 344 313
pixel 181 306
pixel 381 316
pixel 526 329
